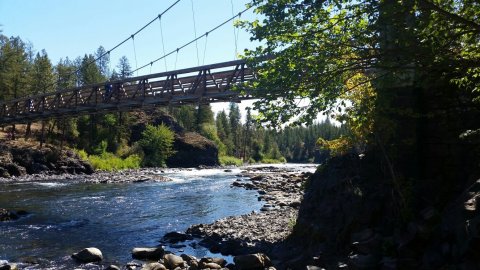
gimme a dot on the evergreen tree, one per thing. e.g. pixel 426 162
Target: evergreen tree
pixel 224 132
pixel 65 74
pixel 235 125
pixel 204 116
pixel 124 68
pixel 185 116
pixel 41 74
pixel 89 73
pixel 103 61
pixel 14 68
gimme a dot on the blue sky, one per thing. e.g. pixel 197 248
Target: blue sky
pixel 74 28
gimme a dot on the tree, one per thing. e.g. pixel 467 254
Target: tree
pixel 41 74
pixel 14 68
pixel 224 132
pixel 157 145
pixel 318 46
pixel 89 73
pixel 65 74
pixel 185 116
pixel 234 117
pixel 41 79
pixel 103 61
pixel 406 55
pixel 124 68
pixel 204 116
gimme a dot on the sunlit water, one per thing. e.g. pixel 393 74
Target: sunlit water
pixel 66 217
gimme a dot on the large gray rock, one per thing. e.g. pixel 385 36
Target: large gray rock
pixel 88 255
pixel 112 267
pixel 173 261
pixel 148 253
pixel 252 261
pixel 154 266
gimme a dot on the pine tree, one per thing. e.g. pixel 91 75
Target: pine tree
pixel 41 74
pixel 204 116
pixel 124 68
pixel 235 125
pixel 103 61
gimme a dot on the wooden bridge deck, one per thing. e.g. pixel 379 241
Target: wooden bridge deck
pixel 203 84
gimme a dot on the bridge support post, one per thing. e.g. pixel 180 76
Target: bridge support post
pixel 42 136
pixel 62 141
pixel 13 132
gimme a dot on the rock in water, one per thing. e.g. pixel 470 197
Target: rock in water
pixel 10 266
pixel 252 261
pixel 148 253
pixel 175 237
pixel 112 267
pixel 173 261
pixel 154 266
pixel 6 215
pixel 88 255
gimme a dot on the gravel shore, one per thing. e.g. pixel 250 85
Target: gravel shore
pixel 263 231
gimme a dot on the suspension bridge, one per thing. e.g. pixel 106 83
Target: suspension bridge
pixel 195 85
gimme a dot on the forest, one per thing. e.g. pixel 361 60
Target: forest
pixel 101 138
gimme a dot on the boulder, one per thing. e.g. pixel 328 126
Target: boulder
pixel 112 267
pixel 15 170
pixel 173 261
pixel 252 261
pixel 188 258
pixel 6 215
pixel 9 266
pixel 88 255
pixel 175 237
pixel 154 266
pixel 219 261
pixel 148 253
pixel 211 266
pixel 193 150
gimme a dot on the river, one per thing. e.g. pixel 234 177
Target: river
pixel 66 216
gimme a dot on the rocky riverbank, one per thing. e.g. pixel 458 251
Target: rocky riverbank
pixel 25 158
pixel 99 177
pixel 266 231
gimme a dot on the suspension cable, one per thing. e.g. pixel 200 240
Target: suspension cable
pixel 135 53
pixel 205 48
pixel 195 31
pixel 234 32
pixel 196 39
pixel 176 59
pixel 163 43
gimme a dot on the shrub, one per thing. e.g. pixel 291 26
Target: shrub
pixel 229 160
pixel 157 145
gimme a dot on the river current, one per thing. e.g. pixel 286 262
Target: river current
pixel 66 217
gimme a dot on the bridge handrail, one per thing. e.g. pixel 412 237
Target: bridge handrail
pixel 132 79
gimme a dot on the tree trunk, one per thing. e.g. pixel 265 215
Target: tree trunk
pixel 28 130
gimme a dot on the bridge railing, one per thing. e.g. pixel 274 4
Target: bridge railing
pixel 203 84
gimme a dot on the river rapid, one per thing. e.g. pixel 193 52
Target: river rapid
pixel 66 216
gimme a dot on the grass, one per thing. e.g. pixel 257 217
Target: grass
pixel 273 161
pixel 110 162
pixel 229 160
